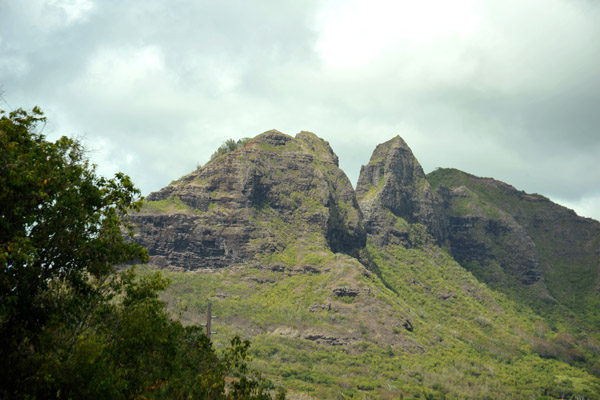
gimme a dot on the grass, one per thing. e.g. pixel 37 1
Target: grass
pixel 472 346
pixel 168 205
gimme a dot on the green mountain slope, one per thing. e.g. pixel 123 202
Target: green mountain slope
pixel 524 244
pixel 434 330
pixel 344 305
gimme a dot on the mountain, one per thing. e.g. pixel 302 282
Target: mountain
pixel 252 204
pixel 393 186
pixel 523 244
pixel 413 286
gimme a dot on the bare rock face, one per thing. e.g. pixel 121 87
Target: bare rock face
pixel 486 235
pixel 393 192
pixel 275 192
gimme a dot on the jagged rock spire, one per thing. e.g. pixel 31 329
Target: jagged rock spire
pixel 394 183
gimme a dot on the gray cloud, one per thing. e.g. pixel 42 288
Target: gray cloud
pixel 506 89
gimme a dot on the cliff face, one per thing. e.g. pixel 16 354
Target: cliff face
pixel 505 236
pixel 253 202
pixel 511 240
pixel 482 234
pixel 393 192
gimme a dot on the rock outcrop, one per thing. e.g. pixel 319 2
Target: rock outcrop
pixel 393 192
pixel 486 235
pixel 244 205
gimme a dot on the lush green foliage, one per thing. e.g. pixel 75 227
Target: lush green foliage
pixel 70 327
pixel 61 229
pixel 230 145
pixel 468 341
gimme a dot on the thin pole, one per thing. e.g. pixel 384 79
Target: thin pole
pixel 208 319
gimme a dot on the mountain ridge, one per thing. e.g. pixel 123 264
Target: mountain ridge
pixel 290 254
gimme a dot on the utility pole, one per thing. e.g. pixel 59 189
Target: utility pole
pixel 209 318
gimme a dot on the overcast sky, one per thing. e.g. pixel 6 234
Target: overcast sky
pixel 508 89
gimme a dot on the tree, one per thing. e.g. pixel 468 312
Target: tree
pixel 61 230
pixel 230 145
pixel 70 325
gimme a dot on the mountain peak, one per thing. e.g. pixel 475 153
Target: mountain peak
pixel 264 223
pixel 391 186
pixel 318 146
pixel 273 137
pixel 254 202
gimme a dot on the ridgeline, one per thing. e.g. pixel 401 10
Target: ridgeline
pixel 433 286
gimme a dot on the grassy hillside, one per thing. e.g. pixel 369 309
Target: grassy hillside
pixel 431 331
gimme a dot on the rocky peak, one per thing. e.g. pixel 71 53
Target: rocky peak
pixel 277 191
pixel 273 137
pixel 392 159
pixel 319 147
pixel 392 191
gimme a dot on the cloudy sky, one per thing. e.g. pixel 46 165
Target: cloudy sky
pixel 508 89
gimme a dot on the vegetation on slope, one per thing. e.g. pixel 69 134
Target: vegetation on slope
pixel 567 246
pixel 466 340
pixel 228 146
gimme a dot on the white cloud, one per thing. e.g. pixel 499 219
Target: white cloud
pixel 356 33
pixel 505 89
pixel 123 70
pixel 73 10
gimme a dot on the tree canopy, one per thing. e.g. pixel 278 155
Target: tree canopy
pixel 70 325
pixel 60 222
pixel 230 145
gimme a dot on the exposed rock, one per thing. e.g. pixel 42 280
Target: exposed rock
pixel 324 339
pixel 447 295
pixel 345 291
pixel 318 307
pixel 277 267
pixel 261 280
pixel 256 200
pixel 306 269
pixel 393 192
pixel 315 336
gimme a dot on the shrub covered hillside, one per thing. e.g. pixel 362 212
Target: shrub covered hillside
pixel 362 294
